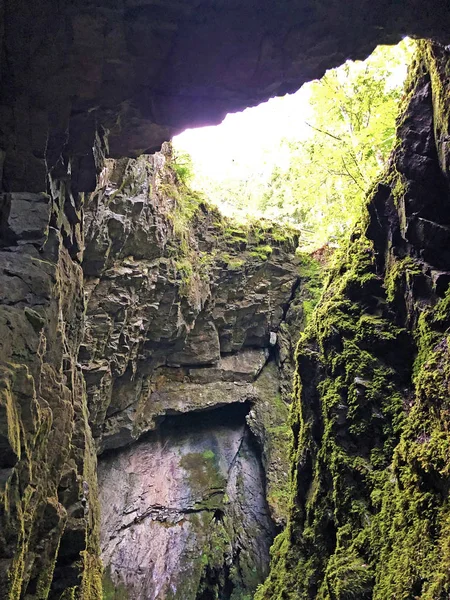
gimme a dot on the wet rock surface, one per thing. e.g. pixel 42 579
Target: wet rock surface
pixel 78 73
pixel 94 355
pixel 371 409
pixel 184 512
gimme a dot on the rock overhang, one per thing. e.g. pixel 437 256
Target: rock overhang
pixel 88 79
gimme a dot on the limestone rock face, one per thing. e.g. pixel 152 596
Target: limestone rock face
pixel 181 340
pixel 184 511
pixel 190 508
pixel 168 314
pixel 47 456
pixel 159 341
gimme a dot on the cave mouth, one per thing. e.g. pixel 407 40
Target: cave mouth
pixel 184 511
pixel 306 160
pixel 230 415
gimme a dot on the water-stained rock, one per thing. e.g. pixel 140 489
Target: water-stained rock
pixel 184 511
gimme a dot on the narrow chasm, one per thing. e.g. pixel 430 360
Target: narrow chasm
pixel 224 365
pixel 191 322
pixel 184 512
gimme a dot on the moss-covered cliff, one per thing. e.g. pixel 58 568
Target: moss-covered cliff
pixel 370 510
pixel 80 366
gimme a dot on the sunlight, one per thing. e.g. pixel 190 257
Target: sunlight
pixel 307 159
pixel 247 140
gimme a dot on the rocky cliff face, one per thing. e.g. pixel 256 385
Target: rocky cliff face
pixel 184 513
pixel 180 315
pixel 186 318
pixel 47 455
pixel 183 313
pixel 370 516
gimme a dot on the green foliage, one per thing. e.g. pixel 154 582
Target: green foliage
pixel 312 274
pixel 353 131
pixel 182 165
pixel 261 252
pixel 322 187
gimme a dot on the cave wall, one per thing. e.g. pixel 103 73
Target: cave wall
pixel 370 477
pixel 48 458
pixel 190 318
pixel 188 322
pixel 183 312
pixel 184 511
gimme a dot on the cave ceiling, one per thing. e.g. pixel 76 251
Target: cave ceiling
pixel 83 79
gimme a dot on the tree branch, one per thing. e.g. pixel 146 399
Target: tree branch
pixel 324 132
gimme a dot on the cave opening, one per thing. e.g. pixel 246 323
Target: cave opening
pixel 184 510
pixel 119 286
pixel 306 160
pixel 192 484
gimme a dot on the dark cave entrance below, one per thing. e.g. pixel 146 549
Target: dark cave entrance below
pixel 193 489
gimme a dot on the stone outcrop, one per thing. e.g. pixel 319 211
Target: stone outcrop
pixel 194 321
pixel 184 512
pixel 183 312
pixel 47 463
pixel 171 330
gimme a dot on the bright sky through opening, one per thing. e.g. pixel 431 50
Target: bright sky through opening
pixel 249 141
pixel 245 141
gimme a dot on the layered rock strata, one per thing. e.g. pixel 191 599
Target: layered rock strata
pixel 49 505
pixel 195 328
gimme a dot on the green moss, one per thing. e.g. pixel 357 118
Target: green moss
pixel 348 576
pixel 235 265
pixel 348 408
pixel 370 512
pixel 202 471
pixel 261 252
pixel 400 275
pixel 432 324
pixel 112 591
pixel 312 274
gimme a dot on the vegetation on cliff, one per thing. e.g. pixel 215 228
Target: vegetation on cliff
pixel 369 506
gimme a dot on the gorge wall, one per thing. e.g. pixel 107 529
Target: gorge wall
pixel 369 514
pixel 188 335
pixel 370 477
pixel 184 313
